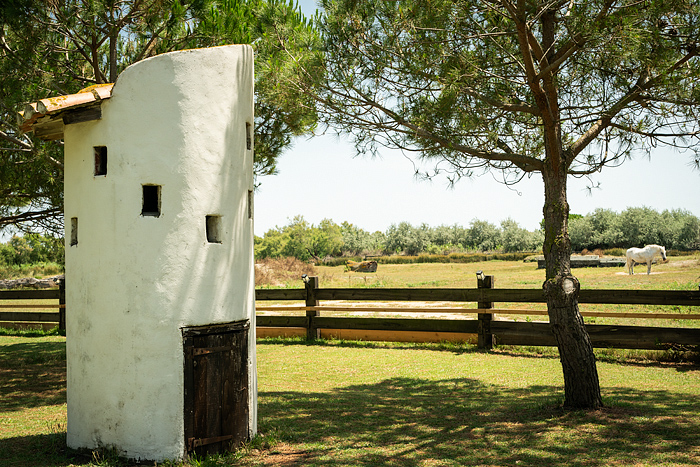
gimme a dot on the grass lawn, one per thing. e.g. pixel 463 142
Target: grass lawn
pixel 344 403
pixel 340 404
pixel 370 404
pixel 32 400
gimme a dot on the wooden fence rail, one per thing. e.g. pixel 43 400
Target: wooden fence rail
pixel 487 330
pixel 34 318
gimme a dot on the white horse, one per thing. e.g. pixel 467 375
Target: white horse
pixel 644 255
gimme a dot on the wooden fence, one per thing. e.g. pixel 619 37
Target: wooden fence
pixel 20 317
pixel 484 330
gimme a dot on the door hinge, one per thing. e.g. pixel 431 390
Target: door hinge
pixel 197 442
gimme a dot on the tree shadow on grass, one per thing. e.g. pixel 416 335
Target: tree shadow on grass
pixel 414 422
pixel 457 422
pixel 47 450
pixel 32 375
pixel 407 422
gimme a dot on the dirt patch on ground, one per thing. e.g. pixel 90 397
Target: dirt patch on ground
pixel 281 455
pixel 625 273
pixel 688 263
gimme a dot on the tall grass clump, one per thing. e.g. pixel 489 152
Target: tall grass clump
pixel 281 272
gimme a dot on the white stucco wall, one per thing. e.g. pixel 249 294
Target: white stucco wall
pixel 176 120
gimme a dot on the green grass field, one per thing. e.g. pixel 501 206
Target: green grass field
pixel 370 404
pixel 341 403
pixel 679 272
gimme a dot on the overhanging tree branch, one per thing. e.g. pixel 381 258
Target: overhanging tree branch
pixel 30 216
pixel 642 88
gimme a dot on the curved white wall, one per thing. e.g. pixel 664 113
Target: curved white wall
pixel 176 120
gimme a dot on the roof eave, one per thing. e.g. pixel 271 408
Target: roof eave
pixel 47 117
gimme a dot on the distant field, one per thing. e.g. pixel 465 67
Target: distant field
pixel 680 273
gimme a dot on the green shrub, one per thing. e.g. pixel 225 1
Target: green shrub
pixel 615 252
pixel 32 249
pixel 39 270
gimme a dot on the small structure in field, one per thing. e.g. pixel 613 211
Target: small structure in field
pixel 159 254
pixel 588 261
pixel 361 266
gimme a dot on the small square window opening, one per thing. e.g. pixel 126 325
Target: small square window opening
pixel 100 160
pixel 151 201
pixel 213 225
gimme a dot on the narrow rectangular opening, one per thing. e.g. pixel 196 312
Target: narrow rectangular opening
pixel 73 231
pixel 151 200
pixel 213 226
pixel 248 136
pixel 250 204
pixel 100 160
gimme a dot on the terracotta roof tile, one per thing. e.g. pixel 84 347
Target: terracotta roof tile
pixel 44 116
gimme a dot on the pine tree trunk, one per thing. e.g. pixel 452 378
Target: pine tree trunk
pixel 561 288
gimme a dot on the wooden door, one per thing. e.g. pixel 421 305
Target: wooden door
pixel 216 387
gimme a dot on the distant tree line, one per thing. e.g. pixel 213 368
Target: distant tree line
pixel 603 228
pixel 32 248
pixel 304 241
pixel 676 229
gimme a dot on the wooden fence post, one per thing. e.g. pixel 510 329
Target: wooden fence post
pixel 485 338
pixel 311 284
pixel 62 304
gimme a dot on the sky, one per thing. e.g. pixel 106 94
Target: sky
pixel 322 178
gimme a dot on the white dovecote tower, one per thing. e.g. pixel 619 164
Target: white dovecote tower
pixel 160 294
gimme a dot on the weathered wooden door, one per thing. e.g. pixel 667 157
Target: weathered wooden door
pixel 216 387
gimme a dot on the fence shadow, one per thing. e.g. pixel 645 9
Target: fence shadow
pixel 414 422
pixel 455 347
pixel 682 361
